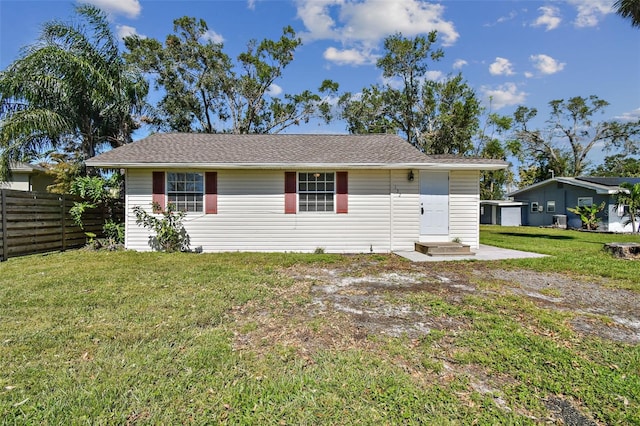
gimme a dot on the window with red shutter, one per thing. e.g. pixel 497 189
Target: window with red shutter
pixel 158 198
pixel 211 192
pixel 290 198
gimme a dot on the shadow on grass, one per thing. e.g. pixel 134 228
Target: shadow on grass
pixel 548 237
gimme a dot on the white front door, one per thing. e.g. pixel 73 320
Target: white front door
pixel 434 202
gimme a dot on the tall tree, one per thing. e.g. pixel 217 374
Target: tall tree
pixel 439 117
pixel 564 145
pixel 205 91
pixel 618 165
pixel 70 92
pixel 493 183
pixel 629 9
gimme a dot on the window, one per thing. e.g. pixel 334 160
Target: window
pixel 551 206
pixel 585 201
pixel 185 191
pixel 534 207
pixel 316 192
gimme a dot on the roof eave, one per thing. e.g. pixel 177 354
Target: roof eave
pixel 173 165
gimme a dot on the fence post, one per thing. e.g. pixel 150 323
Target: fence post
pixel 63 206
pixel 5 239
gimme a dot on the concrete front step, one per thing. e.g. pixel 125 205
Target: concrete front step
pixel 444 249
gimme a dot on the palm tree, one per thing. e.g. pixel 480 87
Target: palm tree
pixel 629 9
pixel 71 92
pixel 629 198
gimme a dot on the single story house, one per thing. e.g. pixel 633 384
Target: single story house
pixel 340 193
pixel 502 212
pixel 549 200
pixel 28 177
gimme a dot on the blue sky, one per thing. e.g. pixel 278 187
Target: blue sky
pixel 516 52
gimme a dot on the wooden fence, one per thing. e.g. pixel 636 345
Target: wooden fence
pixel 35 222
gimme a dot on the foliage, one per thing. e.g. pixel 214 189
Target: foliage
pixel 563 147
pixel 65 168
pixel 588 214
pixel 629 9
pixel 629 199
pixel 204 91
pixel 170 235
pixel 438 117
pixel 489 145
pixel 618 165
pixel 103 193
pixel 70 92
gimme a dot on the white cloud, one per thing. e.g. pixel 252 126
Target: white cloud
pixel 528 74
pixel 504 95
pixel 317 19
pixel 550 18
pixel 503 19
pixel 128 8
pixel 501 66
pixel 630 116
pixel 251 4
pixel 368 21
pixel 590 12
pixel 459 63
pixel 546 64
pixel 348 56
pixel 433 75
pixel 274 90
pixel 213 37
pixel 123 31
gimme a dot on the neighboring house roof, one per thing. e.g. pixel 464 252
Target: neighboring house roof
pixel 503 203
pixel 25 167
pixel 601 185
pixel 280 150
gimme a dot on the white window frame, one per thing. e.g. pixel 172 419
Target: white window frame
pixel 551 206
pixel 191 191
pixel 312 185
pixel 534 207
pixel 585 201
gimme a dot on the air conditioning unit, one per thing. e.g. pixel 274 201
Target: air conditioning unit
pixel 560 221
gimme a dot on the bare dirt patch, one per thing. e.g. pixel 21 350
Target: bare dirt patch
pixel 359 304
pixel 609 313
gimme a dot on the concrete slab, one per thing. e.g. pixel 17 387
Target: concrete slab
pixel 485 252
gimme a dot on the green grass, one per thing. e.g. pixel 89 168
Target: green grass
pixel 148 338
pixel 570 251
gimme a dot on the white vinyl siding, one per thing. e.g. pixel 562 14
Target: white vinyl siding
pixel 464 202
pixel 384 214
pixel 251 215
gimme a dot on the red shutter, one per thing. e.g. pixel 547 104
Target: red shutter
pixel 342 192
pixel 211 192
pixel 158 191
pixel 290 193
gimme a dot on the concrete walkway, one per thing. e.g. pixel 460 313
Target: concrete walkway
pixel 483 253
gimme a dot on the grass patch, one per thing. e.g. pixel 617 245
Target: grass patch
pixel 570 251
pixel 125 337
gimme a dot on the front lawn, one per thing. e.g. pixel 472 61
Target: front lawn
pixel 151 338
pixel 570 251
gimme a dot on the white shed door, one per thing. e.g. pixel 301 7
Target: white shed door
pixel 434 203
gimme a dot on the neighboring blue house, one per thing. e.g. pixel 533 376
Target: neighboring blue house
pixel 549 200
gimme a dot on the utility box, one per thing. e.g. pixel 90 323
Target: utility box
pixel 560 221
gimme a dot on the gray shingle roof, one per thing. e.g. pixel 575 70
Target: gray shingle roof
pixel 230 150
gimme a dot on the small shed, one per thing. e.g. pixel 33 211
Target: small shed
pixel 501 212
